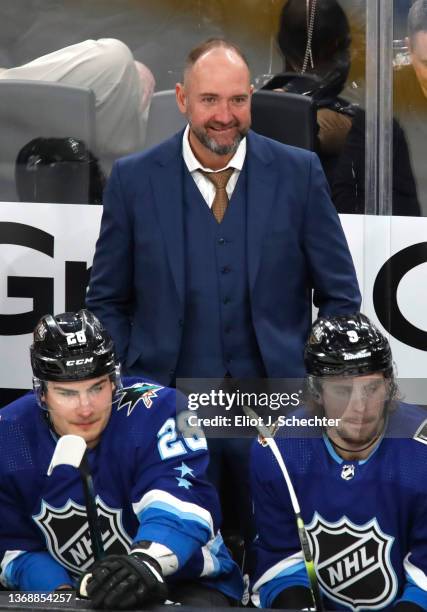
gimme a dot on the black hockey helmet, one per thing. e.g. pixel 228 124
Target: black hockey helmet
pixel 71 346
pixel 348 345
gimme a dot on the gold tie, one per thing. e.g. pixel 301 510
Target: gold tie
pixel 220 180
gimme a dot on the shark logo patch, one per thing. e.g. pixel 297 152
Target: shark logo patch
pixel 130 397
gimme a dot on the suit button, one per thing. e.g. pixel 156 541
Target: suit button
pixel 228 329
pixel 171 372
pixel 221 240
pixel 181 323
pixel 228 359
pixel 226 300
pixel 225 270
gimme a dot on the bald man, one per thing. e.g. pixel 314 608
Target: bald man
pixel 212 242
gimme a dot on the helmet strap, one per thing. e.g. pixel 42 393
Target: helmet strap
pixel 38 388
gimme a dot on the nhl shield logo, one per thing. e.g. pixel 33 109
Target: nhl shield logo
pixel 353 562
pixel 67 533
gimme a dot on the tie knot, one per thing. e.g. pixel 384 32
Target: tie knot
pixel 219 179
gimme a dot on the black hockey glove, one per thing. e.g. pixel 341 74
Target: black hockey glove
pixel 124 582
pixel 407 606
pixel 294 597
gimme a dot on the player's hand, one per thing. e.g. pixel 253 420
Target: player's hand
pixel 124 582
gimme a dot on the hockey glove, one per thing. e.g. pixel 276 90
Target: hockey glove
pixel 124 582
pixel 295 597
pixel 407 606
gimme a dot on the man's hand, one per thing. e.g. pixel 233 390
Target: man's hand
pixel 124 582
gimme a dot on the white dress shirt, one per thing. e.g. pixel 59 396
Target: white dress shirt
pixel 205 186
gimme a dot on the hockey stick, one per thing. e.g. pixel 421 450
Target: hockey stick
pixel 266 439
pixel 71 450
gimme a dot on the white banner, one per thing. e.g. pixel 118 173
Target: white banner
pixel 390 255
pixel 46 249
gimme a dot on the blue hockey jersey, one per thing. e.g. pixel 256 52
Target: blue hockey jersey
pixel 150 485
pixel 366 520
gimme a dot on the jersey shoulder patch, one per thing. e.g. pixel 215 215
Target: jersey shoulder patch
pixel 421 433
pixel 140 395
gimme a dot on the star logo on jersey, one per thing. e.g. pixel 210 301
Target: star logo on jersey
pixel 184 469
pixel 67 533
pixel 182 482
pixel 353 562
pixel 129 397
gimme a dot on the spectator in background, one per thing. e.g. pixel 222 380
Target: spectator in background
pixel 314 39
pixel 410 97
pixel 122 88
pixel 409 134
pixel 348 187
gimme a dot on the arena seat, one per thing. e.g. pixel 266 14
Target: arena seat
pixel 286 117
pixel 164 118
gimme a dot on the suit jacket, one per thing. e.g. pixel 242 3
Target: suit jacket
pixel 295 243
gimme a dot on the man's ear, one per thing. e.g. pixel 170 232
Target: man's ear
pixel 181 97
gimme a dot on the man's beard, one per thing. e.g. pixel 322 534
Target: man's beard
pixel 361 440
pixel 213 146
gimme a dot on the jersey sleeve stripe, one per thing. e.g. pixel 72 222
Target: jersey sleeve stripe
pixel 285 566
pixel 8 557
pixel 416 575
pixel 210 563
pixel 211 556
pixel 185 511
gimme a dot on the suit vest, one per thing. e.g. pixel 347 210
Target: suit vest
pixel 218 334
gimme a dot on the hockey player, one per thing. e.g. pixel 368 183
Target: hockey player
pixel 361 483
pixel 158 514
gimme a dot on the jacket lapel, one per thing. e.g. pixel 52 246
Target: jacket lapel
pixel 167 185
pixel 168 196
pixel 262 179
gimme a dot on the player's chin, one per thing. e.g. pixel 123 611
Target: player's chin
pixel 359 435
pixel 88 431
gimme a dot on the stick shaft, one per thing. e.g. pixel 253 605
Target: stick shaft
pixel 91 510
pixel 302 532
pixel 268 440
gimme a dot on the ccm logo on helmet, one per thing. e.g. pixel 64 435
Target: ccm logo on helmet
pixel 73 362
